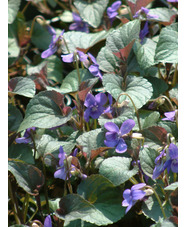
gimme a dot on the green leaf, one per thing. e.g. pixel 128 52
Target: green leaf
pixel 167 46
pixel 91 12
pixel 54 69
pixel 48 144
pixel 147 157
pixel 117 169
pixel 46 110
pixel 27 176
pixel 13 48
pixel 14 118
pixel 13 8
pixel 145 53
pixel 22 86
pixel 124 113
pixel 159 86
pixel 54 204
pixel 172 186
pixel 82 40
pixel 120 38
pixel 53 3
pixel 97 202
pixel 156 135
pixel 170 127
pixel 163 223
pixel 71 82
pixel 139 89
pixel 165 16
pixel 136 5
pixel 91 140
pixel 78 223
pixel 173 93
pixel 107 61
pixel 151 208
pixel 21 152
pixel 147 119
pixel 41 37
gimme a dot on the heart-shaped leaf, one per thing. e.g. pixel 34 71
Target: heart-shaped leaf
pixel 139 89
pixel 147 157
pixel 91 11
pixel 13 7
pixel 106 60
pixel 22 86
pixel 28 177
pixel 145 53
pixel 120 38
pixel 89 204
pixel 117 169
pixel 167 46
pixel 46 110
pixel 14 118
pixel 82 40
pixel 71 82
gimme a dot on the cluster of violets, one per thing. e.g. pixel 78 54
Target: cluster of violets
pixel 95 107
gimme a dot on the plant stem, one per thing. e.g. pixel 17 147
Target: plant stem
pixel 175 177
pixel 133 180
pixel 26 6
pixel 25 206
pixel 136 111
pixel 159 201
pixel 14 207
pixel 45 187
pixel 175 77
pixel 95 123
pixel 165 97
pixel 77 67
pixel 88 128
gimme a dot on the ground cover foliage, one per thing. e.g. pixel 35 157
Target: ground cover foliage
pixel 93 113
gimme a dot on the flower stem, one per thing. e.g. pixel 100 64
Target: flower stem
pixel 45 187
pixel 77 67
pixel 159 201
pixel 95 123
pixel 26 6
pixel 14 207
pixel 136 111
pixel 175 77
pixel 25 206
pixel 175 177
pixel 133 180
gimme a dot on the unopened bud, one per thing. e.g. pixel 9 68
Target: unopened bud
pixel 149 191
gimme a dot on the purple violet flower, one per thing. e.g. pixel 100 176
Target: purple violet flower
pixel 54 44
pixel 94 105
pixel 69 58
pixel 169 116
pixel 26 137
pixel 172 159
pixel 144 31
pixel 62 172
pixel 94 68
pixel 172 0
pixel 112 10
pixel 131 196
pixel 79 25
pixel 114 136
pixel 48 221
pixel 159 168
pixel 144 12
